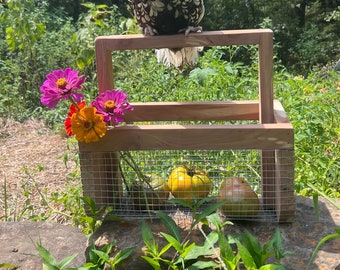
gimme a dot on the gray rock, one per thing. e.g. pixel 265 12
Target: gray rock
pixel 18 240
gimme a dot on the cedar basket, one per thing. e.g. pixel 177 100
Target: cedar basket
pixel 158 131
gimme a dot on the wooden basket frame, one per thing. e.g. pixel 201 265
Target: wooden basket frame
pixel 274 131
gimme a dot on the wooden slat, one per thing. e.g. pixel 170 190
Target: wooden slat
pixel 284 186
pixel 194 137
pixel 266 78
pixel 104 67
pixel 104 45
pixel 193 111
pixel 209 38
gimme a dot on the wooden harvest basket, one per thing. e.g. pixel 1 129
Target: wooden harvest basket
pixel 272 136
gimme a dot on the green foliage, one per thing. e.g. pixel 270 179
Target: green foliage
pixel 98 259
pixel 92 221
pixel 306 31
pixel 313 106
pixel 49 262
pixel 26 28
pixel 190 255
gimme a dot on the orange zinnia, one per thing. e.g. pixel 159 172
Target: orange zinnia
pixel 87 125
pixel 68 122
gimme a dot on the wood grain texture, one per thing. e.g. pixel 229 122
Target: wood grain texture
pixel 104 45
pixel 194 137
pixel 193 111
pixel 284 186
pixel 207 38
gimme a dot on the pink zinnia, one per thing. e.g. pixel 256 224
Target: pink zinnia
pixel 61 84
pixel 112 104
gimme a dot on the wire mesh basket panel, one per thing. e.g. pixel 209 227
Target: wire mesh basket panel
pixel 142 182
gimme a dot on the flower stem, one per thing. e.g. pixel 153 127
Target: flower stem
pixel 73 102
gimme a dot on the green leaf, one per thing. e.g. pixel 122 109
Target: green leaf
pixel 206 212
pixel 225 248
pixel 203 265
pixel 165 249
pixel 93 257
pixel 254 247
pixel 8 265
pixel 66 261
pixel 123 254
pixel 200 75
pixel 205 250
pixel 45 255
pixel 272 267
pixel 322 241
pixel 170 224
pixel 205 200
pixel 246 257
pixel 146 233
pixel 108 247
pixel 48 266
pixel 278 244
pixel 324 195
pixel 154 263
pixel 181 202
pixel 102 255
pixel 102 6
pixel 173 241
pixel 91 204
pixel 316 205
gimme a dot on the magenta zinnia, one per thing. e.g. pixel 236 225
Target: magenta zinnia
pixel 61 84
pixel 112 104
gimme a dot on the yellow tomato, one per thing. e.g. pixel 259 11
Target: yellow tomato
pixel 187 184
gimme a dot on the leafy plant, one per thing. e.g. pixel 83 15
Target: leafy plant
pixel 50 263
pixel 99 258
pixel 190 255
pixel 95 216
pixel 260 254
pixel 181 246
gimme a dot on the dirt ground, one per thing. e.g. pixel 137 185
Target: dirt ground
pixel 32 161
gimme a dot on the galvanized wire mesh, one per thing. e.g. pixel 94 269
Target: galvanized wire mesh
pixel 136 183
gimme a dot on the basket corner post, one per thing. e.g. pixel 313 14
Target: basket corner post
pixel 101 177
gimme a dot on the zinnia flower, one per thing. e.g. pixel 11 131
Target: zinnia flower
pixel 61 84
pixel 88 125
pixel 112 104
pixel 73 109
